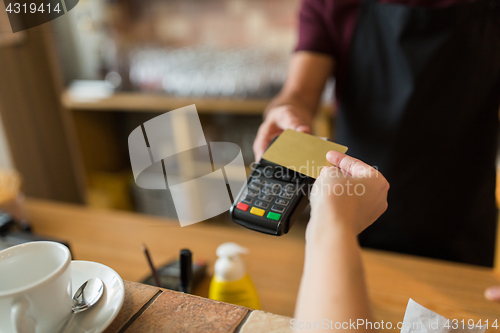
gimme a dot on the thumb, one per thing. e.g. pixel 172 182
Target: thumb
pixel 348 164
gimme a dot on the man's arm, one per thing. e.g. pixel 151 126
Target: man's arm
pixel 296 104
pixel 306 78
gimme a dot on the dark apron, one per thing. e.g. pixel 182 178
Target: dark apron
pixel 421 102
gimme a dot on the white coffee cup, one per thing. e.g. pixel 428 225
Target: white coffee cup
pixel 35 287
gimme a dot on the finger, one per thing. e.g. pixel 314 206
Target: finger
pixel 303 129
pixel 348 164
pixel 324 176
pixel 265 134
pixel 325 171
pixel 331 172
pixel 492 293
pixel 289 120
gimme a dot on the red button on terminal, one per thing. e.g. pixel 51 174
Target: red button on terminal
pixel 242 206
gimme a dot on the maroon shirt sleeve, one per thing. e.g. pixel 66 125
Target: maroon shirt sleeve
pixel 314 34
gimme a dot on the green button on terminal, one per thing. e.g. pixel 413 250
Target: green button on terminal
pixel 273 216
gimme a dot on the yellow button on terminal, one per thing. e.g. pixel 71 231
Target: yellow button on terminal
pixel 257 211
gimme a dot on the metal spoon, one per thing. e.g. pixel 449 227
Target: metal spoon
pixel 85 297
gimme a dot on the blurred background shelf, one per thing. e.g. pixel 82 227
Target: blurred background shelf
pixel 149 102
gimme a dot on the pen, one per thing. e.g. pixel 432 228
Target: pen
pixel 186 263
pixel 153 269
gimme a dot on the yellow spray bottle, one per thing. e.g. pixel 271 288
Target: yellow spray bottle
pixel 231 283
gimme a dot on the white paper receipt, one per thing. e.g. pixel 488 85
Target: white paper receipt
pixel 422 320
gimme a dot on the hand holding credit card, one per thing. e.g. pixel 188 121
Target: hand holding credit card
pixel 276 193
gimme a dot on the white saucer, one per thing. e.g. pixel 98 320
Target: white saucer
pixel 97 318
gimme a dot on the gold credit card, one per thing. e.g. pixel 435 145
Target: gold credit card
pixel 301 152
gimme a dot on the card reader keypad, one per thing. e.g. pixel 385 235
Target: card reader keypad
pixel 272 198
pixel 270 191
pixel 252 194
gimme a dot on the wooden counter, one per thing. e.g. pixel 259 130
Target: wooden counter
pixel 274 263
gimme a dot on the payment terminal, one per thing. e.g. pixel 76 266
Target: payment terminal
pixel 277 190
pixel 275 198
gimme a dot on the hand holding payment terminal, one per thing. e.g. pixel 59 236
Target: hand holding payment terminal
pixel 276 192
